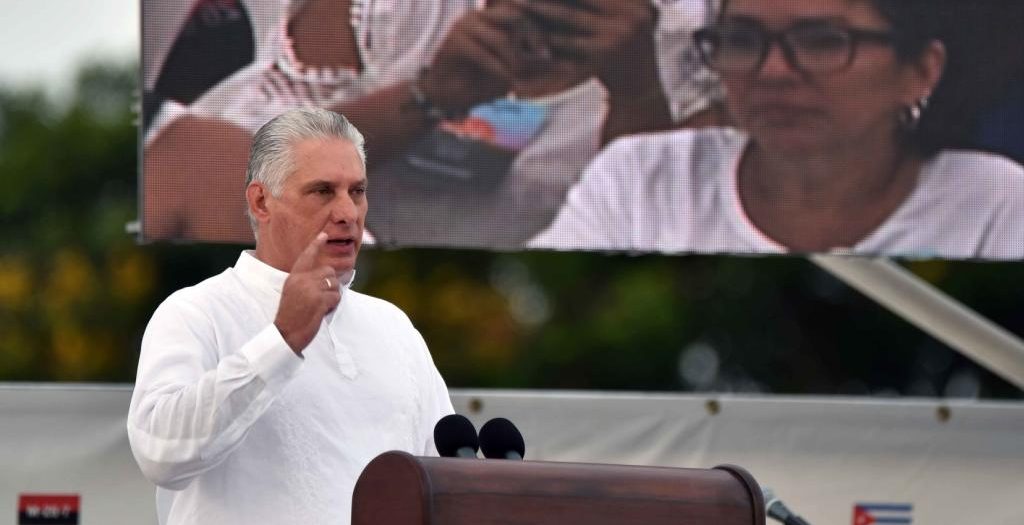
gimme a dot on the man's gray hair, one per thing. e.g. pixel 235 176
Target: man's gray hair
pixel 271 158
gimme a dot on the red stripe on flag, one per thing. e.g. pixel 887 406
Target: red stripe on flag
pixel 862 517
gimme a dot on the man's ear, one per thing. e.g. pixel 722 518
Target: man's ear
pixel 256 195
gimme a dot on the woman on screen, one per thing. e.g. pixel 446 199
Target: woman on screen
pixel 841 144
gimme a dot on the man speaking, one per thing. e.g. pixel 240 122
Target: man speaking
pixel 262 392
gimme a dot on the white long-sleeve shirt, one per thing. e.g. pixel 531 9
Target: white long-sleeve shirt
pixel 234 427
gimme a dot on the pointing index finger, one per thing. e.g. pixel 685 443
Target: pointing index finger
pixel 307 259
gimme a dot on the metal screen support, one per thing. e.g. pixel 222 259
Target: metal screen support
pixel 931 310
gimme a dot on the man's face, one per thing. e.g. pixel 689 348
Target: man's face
pixel 326 192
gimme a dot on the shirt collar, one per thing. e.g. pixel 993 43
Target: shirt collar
pixel 257 273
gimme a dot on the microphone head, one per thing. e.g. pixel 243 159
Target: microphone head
pixel 773 506
pixel 498 437
pixel 453 432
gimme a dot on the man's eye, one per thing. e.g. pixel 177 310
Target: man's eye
pixel 322 191
pixel 359 191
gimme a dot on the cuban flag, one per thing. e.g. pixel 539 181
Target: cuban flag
pixel 882 513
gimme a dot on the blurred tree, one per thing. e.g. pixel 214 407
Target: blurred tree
pixel 68 173
pixel 76 291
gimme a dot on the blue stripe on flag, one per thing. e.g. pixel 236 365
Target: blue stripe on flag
pixel 886 507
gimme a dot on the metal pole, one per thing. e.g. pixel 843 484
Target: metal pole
pixel 931 310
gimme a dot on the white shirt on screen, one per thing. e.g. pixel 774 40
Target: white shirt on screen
pixel 676 192
pixel 395 41
pixel 234 427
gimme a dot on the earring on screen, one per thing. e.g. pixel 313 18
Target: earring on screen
pixel 910 115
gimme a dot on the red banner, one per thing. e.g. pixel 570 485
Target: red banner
pixel 50 509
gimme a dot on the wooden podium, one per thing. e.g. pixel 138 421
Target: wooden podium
pixel 397 488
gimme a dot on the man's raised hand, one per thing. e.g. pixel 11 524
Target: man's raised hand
pixel 310 292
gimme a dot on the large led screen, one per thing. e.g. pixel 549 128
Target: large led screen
pixel 875 127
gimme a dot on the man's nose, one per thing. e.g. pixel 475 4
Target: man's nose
pixel 344 209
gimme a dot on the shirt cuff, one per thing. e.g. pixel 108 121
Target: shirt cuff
pixel 271 358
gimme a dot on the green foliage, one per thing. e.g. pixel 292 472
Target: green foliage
pixel 619 322
pixel 69 277
pixel 76 291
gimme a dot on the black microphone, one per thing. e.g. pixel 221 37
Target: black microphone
pixel 778 510
pixel 500 439
pixel 455 436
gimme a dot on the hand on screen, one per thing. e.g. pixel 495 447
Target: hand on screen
pixel 481 56
pixel 311 291
pixel 608 37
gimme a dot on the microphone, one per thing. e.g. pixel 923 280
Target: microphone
pixel 455 436
pixel 500 439
pixel 778 510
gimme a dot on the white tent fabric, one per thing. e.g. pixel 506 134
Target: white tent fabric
pixel 915 461
pixel 950 462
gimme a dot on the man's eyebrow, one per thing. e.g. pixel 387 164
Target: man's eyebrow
pixel 313 184
pixel 320 183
